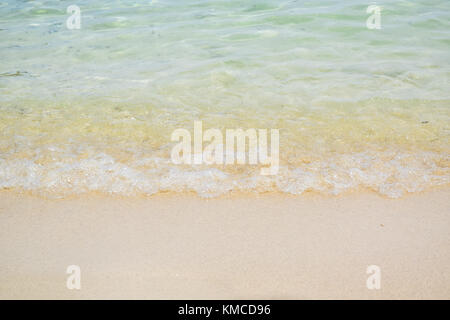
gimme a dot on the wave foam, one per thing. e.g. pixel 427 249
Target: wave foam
pixel 388 173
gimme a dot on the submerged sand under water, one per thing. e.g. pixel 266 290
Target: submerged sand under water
pixel 129 152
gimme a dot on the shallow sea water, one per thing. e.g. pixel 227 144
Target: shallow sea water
pixel 92 110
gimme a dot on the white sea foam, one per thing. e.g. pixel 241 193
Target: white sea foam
pixel 390 174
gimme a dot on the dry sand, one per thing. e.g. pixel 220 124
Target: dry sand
pixel 266 246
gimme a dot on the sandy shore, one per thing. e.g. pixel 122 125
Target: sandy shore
pixel 266 246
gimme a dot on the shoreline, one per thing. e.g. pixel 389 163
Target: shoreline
pixel 230 195
pixel 261 246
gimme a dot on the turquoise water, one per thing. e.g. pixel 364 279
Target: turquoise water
pixel 93 109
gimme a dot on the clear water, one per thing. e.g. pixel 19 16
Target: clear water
pixel 92 110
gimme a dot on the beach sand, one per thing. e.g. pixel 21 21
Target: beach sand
pixel 267 246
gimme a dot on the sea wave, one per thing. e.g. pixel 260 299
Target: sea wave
pixel 391 174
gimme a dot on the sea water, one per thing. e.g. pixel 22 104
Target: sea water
pixel 92 109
